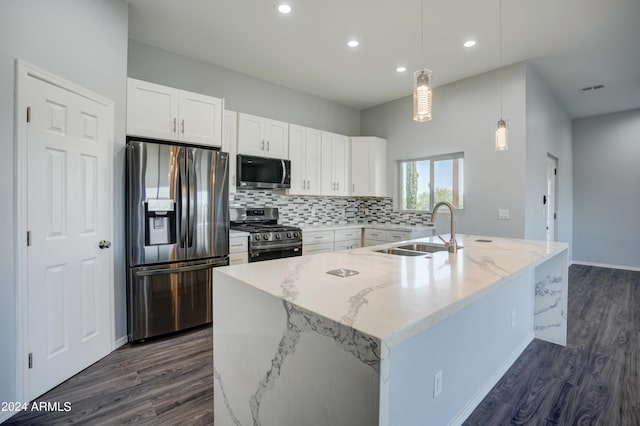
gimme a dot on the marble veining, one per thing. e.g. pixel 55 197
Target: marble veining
pixel 225 398
pixel 357 301
pixel 365 348
pixel 289 285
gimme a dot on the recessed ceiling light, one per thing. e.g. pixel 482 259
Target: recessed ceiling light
pixel 469 43
pixel 401 69
pixel 353 43
pixel 284 8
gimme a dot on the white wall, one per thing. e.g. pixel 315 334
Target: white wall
pixel 606 175
pixel 81 41
pixel 464 119
pixel 548 132
pixel 242 92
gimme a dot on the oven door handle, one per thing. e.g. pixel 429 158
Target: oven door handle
pixel 265 248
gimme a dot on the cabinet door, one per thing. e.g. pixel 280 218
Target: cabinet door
pixel 360 167
pixel 313 146
pixel 327 182
pixel 229 144
pixel 276 136
pixel 200 119
pixel 298 161
pixel 152 110
pixel 251 135
pixel 341 164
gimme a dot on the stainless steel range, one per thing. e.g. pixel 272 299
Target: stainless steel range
pixel 267 240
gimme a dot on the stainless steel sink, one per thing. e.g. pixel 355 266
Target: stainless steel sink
pixel 425 247
pixel 401 252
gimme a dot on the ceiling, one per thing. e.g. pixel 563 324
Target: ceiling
pixel 572 43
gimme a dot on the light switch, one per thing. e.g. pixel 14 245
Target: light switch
pixel 503 214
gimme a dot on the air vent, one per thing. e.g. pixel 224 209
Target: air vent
pixel 592 88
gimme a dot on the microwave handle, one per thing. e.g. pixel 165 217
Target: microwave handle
pixel 284 171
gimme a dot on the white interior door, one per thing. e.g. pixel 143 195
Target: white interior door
pixel 550 213
pixel 69 276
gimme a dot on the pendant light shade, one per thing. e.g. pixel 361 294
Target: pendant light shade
pixel 502 136
pixel 422 94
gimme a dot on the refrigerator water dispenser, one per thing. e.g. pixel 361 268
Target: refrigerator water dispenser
pixel 160 222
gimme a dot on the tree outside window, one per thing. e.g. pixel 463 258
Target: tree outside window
pixel 427 181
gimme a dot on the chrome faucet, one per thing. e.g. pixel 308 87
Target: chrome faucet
pixel 452 245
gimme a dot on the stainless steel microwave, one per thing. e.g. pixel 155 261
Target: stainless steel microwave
pixel 263 173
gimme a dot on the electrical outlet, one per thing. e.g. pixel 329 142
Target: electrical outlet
pixel 513 318
pixel 503 214
pixel 437 384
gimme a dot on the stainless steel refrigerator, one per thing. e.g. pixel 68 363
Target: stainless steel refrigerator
pixel 177 231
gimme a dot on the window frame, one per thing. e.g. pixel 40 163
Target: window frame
pixel 431 159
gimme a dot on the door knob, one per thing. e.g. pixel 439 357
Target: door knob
pixel 104 244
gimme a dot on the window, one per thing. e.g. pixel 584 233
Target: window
pixel 425 182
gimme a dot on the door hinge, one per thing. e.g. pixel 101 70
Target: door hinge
pixel 30 360
pixel 29 114
pixel 28 238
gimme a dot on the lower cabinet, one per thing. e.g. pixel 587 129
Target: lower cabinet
pixel 314 242
pixel 373 237
pixel 238 249
pixel 347 239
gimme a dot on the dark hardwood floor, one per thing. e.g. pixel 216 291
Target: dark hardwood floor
pixel 594 380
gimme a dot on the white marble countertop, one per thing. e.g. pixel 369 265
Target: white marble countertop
pixel 395 297
pixel 389 226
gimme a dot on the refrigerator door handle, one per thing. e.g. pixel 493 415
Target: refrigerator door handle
pixel 176 270
pixel 182 197
pixel 192 198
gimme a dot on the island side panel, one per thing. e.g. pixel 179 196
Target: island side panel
pixel 277 364
pixel 552 289
pixel 472 348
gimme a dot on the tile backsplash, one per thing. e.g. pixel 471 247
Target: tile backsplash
pixel 313 210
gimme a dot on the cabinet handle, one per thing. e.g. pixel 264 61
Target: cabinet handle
pixel 338 186
pixel 353 187
pixel 262 147
pixel 183 126
pixel 268 145
pixel 174 125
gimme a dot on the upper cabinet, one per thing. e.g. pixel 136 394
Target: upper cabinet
pixel 229 144
pixel 304 153
pixel 162 112
pixel 335 164
pixel 368 166
pixel 262 137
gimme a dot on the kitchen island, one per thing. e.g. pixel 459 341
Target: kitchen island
pixel 408 340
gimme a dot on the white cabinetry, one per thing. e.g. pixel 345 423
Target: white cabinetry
pixel 346 239
pixel 304 153
pixel 229 143
pixel 262 137
pixel 314 242
pixel 375 236
pixel 238 249
pixel 368 166
pixel 161 112
pixel 335 164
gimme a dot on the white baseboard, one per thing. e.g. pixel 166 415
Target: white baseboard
pixel 606 265
pixel 491 382
pixel 120 342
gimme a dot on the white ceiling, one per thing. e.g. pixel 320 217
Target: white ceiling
pixel 572 43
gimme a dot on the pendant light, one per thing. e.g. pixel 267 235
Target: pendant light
pixel 422 90
pixel 502 131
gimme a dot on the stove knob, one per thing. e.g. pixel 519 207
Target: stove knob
pixel 288 234
pixel 278 236
pixel 265 236
pixel 295 235
pixel 257 238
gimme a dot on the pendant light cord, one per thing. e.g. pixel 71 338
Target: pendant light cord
pixel 422 32
pixel 501 76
